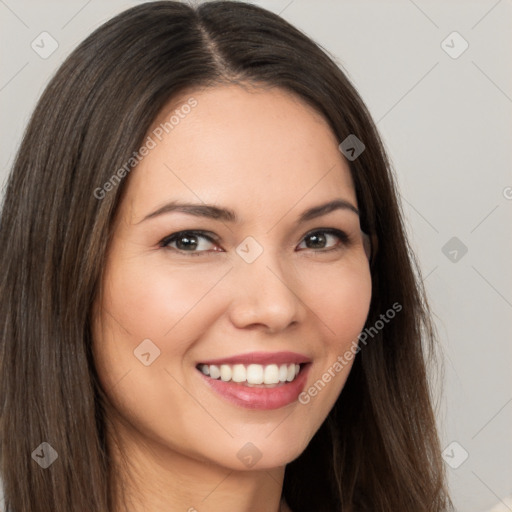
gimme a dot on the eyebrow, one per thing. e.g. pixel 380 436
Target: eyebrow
pixel 227 215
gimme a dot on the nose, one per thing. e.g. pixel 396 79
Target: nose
pixel 266 294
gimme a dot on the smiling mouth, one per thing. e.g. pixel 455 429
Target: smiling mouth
pixel 257 380
pixel 253 375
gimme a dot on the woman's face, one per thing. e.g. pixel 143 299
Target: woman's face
pixel 283 287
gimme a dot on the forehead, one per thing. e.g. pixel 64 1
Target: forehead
pixel 241 148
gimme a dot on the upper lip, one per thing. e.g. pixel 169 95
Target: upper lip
pixel 261 358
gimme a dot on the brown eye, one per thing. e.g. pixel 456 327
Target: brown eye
pixel 188 241
pixel 322 239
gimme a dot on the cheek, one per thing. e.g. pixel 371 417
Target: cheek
pixel 151 299
pixel 341 299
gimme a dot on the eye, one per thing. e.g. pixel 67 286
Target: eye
pixel 319 239
pixel 188 241
pixel 196 242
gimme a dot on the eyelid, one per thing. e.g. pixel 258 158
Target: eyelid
pixel 343 236
pixel 210 236
pixel 340 233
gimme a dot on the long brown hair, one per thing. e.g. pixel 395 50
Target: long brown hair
pixel 378 450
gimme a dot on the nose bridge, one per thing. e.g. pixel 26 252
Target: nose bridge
pixel 265 293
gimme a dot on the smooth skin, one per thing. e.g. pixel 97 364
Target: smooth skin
pixel 268 156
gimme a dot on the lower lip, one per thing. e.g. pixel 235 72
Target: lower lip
pixel 260 398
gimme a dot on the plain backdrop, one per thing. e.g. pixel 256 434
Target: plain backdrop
pixel 444 112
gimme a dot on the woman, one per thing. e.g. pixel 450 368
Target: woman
pixel 208 300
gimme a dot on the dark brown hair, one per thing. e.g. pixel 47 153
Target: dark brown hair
pixel 378 450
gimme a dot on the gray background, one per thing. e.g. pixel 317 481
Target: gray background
pixel 446 123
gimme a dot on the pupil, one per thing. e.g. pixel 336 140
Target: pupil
pixel 317 239
pixel 189 242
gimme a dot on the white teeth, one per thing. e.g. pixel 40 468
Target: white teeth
pixel 255 374
pixel 271 374
pixel 252 374
pixel 225 372
pixel 214 371
pixel 239 373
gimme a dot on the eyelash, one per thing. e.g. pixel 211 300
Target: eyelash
pixel 341 235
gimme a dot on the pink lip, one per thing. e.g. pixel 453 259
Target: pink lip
pixel 260 398
pixel 261 358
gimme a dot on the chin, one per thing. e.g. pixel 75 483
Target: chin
pixel 259 451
